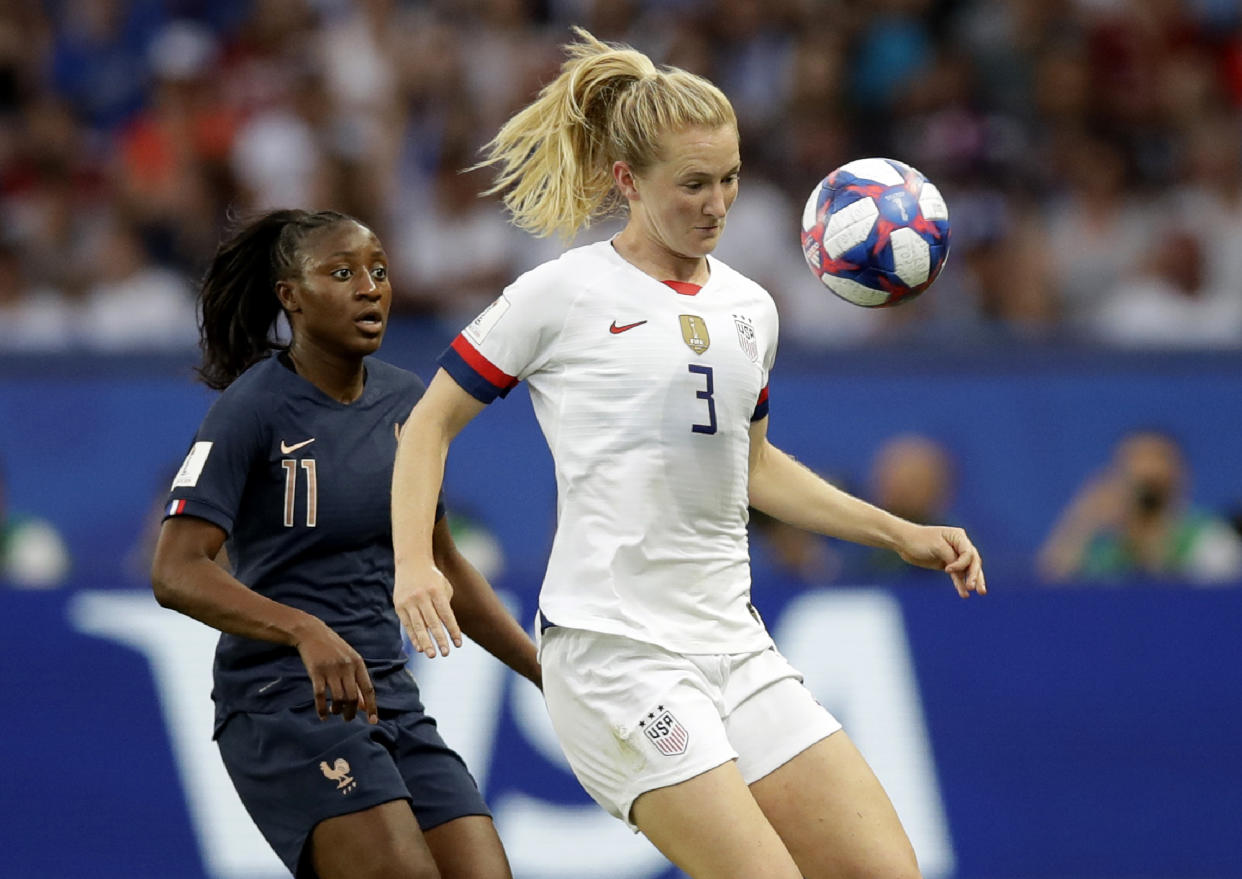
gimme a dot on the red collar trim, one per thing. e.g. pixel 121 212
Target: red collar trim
pixel 685 288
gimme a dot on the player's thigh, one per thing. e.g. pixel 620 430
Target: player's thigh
pixel 711 827
pixel 382 842
pixel 386 842
pixel 834 816
pixel 440 786
pixel 295 772
pixel 771 716
pixel 630 716
pixel 468 848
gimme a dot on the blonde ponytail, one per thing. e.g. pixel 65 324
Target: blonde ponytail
pixel 610 102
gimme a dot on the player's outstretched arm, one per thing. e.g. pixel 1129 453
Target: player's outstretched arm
pixel 480 611
pixel 791 492
pixel 422 594
pixel 186 578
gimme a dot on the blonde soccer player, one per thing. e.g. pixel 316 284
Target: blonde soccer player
pixel 647 361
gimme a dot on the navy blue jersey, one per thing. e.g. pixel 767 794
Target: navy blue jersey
pixel 301 484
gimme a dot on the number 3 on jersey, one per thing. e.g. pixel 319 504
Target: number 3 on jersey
pixel 312 490
pixel 705 394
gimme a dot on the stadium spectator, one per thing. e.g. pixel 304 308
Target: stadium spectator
pixel 1080 115
pixel 33 555
pixel 1134 519
pixel 134 304
pixel 914 477
pixel 1207 199
pixel 167 171
pixel 1098 229
pixel 33 317
pixel 56 196
pixel 753 47
pixel 791 556
pixel 996 288
pixel 1171 305
pixel 277 157
pixel 98 57
pixel 457 249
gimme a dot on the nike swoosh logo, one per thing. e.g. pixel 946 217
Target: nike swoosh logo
pixel 286 449
pixel 614 329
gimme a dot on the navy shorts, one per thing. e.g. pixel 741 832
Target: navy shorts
pixel 293 770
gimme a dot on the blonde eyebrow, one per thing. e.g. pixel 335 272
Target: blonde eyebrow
pixel 734 170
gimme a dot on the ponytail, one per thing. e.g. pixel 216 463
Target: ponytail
pixel 237 299
pixel 610 102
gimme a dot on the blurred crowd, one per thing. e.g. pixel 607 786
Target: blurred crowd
pixel 1134 519
pixel 1090 151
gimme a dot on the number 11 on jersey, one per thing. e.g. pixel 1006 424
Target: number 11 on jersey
pixel 312 489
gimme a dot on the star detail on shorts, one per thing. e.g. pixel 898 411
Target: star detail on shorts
pixel 665 731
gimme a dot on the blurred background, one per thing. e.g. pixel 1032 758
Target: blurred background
pixel 1070 391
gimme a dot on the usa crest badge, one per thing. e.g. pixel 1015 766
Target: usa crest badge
pixel 746 337
pixel 665 731
pixel 694 332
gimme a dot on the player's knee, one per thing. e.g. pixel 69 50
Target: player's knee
pixel 890 868
pixel 398 865
pixel 386 862
pixel 877 864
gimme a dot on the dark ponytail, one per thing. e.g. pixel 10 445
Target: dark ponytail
pixel 237 299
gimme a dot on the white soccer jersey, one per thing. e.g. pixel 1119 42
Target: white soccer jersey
pixel 645 392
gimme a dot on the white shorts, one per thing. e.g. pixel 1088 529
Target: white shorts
pixel 632 717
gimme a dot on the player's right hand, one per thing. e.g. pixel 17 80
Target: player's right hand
pixel 422 599
pixel 338 674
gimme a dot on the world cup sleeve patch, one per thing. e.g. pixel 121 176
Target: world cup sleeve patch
pixel 192 466
pixel 478 329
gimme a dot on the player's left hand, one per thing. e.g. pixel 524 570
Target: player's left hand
pixel 942 548
pixel 423 603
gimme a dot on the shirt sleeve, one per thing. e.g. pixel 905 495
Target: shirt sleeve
pixel 761 407
pixel 510 339
pixel 212 478
pixel 768 329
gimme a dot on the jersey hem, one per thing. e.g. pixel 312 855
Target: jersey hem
pixel 745 643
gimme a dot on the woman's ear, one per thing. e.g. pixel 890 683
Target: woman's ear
pixel 287 295
pixel 623 176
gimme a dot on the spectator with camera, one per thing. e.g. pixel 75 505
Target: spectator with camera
pixel 1135 520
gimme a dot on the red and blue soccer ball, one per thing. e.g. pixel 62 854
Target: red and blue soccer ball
pixel 875 232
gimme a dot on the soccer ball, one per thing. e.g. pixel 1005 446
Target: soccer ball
pixel 875 232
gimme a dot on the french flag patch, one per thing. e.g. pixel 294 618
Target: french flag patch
pixel 665 732
pixel 176 508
